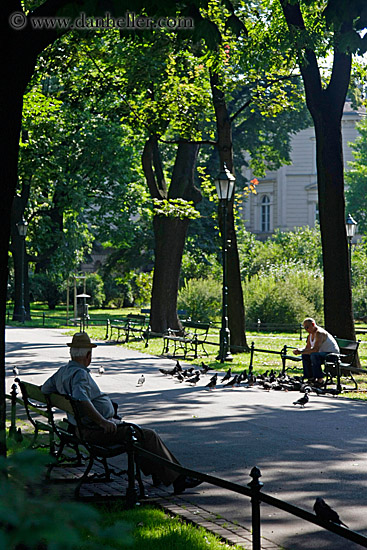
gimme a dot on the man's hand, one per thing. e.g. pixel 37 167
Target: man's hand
pixel 108 426
pixel 297 351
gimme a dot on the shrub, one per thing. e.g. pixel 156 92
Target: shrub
pixel 143 284
pixel 95 288
pixel 46 288
pixel 201 298
pixel 284 295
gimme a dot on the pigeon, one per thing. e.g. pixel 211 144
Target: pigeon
pixel 171 372
pixel 242 376
pixel 15 371
pixel 227 376
pixel 141 380
pixel 100 371
pixel 232 382
pixel 323 511
pixel 302 400
pixel 212 382
pixel 180 377
pixel 194 379
pixel 188 372
pixel 205 368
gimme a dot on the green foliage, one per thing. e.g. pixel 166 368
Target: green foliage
pixel 46 287
pixel 303 246
pixel 359 278
pixel 201 298
pixel 198 265
pixel 95 288
pixel 143 283
pixel 30 519
pixel 356 179
pixel 284 294
pixel 175 208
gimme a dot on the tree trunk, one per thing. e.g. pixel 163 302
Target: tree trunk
pixel 170 232
pixel 170 236
pixel 337 284
pixel 236 309
pixel 10 121
pixel 326 108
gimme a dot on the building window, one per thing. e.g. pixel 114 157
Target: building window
pixel 265 214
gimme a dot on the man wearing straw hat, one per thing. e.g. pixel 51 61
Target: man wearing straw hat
pixel 101 427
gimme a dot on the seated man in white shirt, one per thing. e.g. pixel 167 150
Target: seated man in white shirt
pixel 318 345
pixel 101 427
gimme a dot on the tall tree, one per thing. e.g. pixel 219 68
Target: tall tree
pixel 341 22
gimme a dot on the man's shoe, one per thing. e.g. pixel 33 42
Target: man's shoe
pixel 183 482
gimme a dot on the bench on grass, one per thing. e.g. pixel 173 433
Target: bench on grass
pixel 149 333
pixel 133 325
pixel 188 340
pixel 337 365
pixel 67 436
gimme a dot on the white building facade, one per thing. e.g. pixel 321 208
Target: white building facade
pixel 287 198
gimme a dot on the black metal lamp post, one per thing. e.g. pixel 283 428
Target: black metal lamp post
pixel 22 230
pixel 350 226
pixel 224 184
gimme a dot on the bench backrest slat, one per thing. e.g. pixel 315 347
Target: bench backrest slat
pixel 196 325
pixel 32 391
pixel 61 402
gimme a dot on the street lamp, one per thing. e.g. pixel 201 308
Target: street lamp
pixel 350 226
pixel 22 227
pixel 224 184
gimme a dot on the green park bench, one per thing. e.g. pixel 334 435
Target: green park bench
pixel 188 341
pixel 64 436
pixel 133 325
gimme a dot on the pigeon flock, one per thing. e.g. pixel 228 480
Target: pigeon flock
pixel 270 380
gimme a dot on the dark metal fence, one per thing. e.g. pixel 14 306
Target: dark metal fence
pixel 253 491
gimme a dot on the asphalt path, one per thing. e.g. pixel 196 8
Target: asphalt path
pixel 319 450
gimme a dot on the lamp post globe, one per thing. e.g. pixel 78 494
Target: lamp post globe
pixel 224 183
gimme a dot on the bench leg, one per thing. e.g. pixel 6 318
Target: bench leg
pixel 84 476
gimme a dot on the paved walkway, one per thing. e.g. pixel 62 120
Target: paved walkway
pixel 303 453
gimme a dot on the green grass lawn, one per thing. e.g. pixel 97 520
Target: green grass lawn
pixel 154 529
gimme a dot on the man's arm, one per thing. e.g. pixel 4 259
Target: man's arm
pixel 89 410
pixel 319 338
pixel 306 349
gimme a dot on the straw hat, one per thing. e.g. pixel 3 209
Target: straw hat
pixel 81 340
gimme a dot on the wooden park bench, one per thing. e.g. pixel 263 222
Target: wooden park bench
pixel 73 435
pixel 133 325
pixel 69 437
pixel 188 340
pixel 150 334
pixel 35 406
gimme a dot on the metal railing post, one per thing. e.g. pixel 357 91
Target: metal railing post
pixel 255 486
pixel 252 349
pixel 13 427
pixel 131 493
